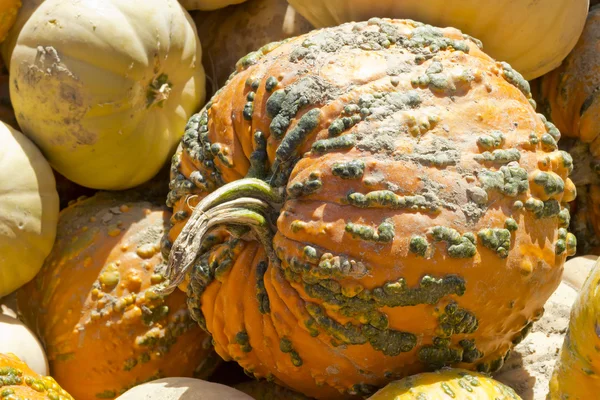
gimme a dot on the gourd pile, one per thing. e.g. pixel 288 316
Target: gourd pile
pixel 340 199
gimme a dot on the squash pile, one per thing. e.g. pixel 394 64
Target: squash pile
pixel 340 199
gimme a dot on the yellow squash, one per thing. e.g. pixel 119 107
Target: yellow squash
pixel 28 209
pixel 533 36
pixel 446 384
pixel 577 372
pixel 105 88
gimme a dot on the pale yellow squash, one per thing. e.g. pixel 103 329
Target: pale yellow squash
pixel 105 88
pixel 28 209
pixel 207 5
pixel 577 370
pixel 446 384
pixel 531 35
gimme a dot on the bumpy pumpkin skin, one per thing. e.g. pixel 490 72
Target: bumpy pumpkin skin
pixel 8 15
pixel 445 384
pixel 231 33
pixel 395 153
pixel 533 36
pixel 107 125
pixel 207 5
pixel 568 97
pixel 576 373
pixel 28 209
pixel 95 308
pixel 19 382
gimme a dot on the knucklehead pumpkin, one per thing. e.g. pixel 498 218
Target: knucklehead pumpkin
pixel 95 307
pixel 366 202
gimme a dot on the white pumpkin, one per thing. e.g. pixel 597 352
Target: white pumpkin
pixel 105 88
pixel 28 209
pixel 577 270
pixel 16 338
pixel 182 389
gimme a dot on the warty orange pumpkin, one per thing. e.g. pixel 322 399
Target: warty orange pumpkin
pixel 365 202
pixel 95 307
pixel 19 382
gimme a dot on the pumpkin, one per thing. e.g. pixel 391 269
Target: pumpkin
pixel 16 338
pixel 533 36
pixel 8 15
pixel 585 210
pixel 231 33
pixel 94 303
pixel 183 389
pixel 107 125
pixel 28 209
pixel 578 365
pixel 18 381
pixel 367 202
pixel 207 4
pixel 261 390
pixel 447 383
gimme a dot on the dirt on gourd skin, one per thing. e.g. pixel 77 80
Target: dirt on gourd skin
pixel 529 368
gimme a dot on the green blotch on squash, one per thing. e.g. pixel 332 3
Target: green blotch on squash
pixel 418 245
pixel 458 246
pixel 343 142
pixel 349 170
pixel 497 240
pixel 385 232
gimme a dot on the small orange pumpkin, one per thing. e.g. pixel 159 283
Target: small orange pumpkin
pixel 95 307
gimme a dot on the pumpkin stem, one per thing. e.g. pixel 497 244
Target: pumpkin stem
pixel 158 91
pixel 246 202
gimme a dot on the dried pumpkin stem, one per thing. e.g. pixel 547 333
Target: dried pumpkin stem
pixel 246 203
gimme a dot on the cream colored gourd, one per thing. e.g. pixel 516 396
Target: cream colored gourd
pixel 18 339
pixel 28 209
pixel 207 5
pixel 105 88
pixel 182 389
pixel 533 36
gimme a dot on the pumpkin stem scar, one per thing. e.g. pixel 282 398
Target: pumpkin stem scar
pixel 246 203
pixel 158 91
